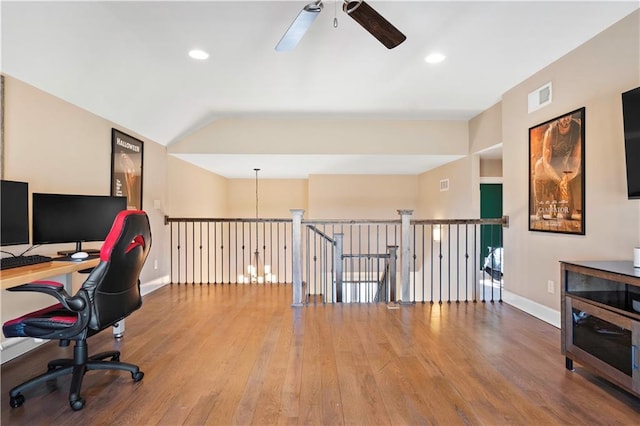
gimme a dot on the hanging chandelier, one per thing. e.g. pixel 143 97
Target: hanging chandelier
pixel 256 273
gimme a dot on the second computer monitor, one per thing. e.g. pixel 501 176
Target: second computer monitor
pixel 63 218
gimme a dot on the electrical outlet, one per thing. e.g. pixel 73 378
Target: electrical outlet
pixel 155 264
pixel 551 286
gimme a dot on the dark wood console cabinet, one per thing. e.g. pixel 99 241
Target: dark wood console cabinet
pixel 601 319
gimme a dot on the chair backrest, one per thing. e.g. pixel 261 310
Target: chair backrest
pixel 113 287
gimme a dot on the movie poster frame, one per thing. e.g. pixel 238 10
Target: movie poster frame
pixel 545 222
pixel 127 145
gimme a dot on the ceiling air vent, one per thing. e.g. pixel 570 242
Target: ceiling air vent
pixel 540 97
pixel 444 185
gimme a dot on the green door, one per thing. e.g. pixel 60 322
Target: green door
pixel 490 208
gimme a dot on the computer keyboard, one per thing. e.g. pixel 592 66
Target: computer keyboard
pixel 14 262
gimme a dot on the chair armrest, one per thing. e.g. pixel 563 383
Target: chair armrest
pixel 55 289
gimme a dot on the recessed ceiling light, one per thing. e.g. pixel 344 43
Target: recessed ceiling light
pixel 435 58
pixel 198 54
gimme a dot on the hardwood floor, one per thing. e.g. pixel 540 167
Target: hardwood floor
pixel 226 354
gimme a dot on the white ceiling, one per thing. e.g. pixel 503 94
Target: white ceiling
pixel 127 62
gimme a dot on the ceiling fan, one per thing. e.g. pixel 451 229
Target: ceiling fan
pixel 360 11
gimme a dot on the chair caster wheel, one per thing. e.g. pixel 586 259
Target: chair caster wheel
pixel 137 376
pixel 77 405
pixel 16 401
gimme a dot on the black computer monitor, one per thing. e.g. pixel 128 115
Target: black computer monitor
pixel 62 218
pixel 14 213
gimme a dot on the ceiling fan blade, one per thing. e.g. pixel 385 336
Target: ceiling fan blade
pixel 373 22
pixel 299 26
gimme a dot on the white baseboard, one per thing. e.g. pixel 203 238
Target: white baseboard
pixel 539 311
pixel 153 285
pixel 14 347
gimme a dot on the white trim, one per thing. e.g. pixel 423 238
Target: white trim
pixel 153 285
pixel 13 348
pixel 489 179
pixel 539 311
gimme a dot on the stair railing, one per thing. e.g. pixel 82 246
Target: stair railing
pixel 340 261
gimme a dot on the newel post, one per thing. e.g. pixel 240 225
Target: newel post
pixel 296 254
pixel 405 294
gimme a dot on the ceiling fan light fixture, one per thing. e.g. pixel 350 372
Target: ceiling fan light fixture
pixel 374 23
pixel 299 26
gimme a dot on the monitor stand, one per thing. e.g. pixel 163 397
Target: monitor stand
pixel 68 252
pixel 79 248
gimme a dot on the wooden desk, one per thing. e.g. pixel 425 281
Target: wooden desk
pixel 26 274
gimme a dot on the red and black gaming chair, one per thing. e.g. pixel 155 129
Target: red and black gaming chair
pixel 110 293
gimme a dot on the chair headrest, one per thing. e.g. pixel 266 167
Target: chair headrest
pixel 136 226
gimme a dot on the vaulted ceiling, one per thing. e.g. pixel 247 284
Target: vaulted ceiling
pixel 127 61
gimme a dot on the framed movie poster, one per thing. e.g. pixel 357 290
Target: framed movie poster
pixel 126 168
pixel 556 174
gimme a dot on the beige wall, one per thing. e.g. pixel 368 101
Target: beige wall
pixel 194 192
pixel 255 136
pixel 275 197
pixel 361 196
pixel 462 200
pixel 53 145
pixel 593 76
pixel 485 129
pixel 490 168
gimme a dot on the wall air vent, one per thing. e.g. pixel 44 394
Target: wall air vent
pixel 444 185
pixel 540 97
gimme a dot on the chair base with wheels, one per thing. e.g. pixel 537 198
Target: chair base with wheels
pixel 77 367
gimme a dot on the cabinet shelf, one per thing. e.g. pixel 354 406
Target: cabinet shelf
pixel 623 302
